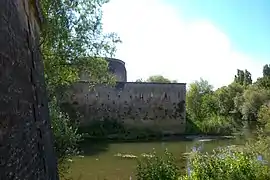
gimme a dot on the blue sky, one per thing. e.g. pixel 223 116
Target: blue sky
pixel 189 39
pixel 246 22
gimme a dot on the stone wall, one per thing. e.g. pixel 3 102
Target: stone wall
pixel 158 106
pixel 26 146
pixel 117 67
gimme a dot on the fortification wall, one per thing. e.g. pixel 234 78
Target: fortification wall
pixel 159 106
pixel 26 145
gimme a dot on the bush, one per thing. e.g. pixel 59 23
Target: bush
pixel 226 164
pixel 66 137
pixel 260 144
pixel 216 125
pixel 153 167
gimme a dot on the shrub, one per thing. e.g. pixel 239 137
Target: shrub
pixel 216 125
pixel 226 164
pixel 153 167
pixel 66 137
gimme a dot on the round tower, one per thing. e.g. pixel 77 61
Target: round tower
pixel 117 67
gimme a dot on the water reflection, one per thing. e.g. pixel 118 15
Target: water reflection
pixel 126 167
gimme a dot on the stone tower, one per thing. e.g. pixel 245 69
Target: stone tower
pixel 117 67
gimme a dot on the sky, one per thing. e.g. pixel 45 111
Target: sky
pixel 186 40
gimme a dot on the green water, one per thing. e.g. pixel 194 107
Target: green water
pixel 99 161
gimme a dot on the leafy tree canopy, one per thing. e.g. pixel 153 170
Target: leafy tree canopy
pixel 160 79
pixel 72 41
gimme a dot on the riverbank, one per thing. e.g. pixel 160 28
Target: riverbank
pixel 165 138
pixel 102 161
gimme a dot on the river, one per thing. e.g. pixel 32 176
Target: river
pixel 100 160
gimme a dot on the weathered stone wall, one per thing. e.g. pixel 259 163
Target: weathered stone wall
pixel 158 106
pixel 26 146
pixel 117 67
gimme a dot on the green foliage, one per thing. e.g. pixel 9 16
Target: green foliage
pixel 263 82
pixel 254 98
pixel 159 79
pixel 191 126
pixel 208 109
pixel 155 167
pixel 72 40
pixel 72 44
pixel 196 97
pixel 243 77
pixel 231 107
pixel 66 137
pixel 260 145
pixel 226 98
pixel 264 117
pixel 209 104
pixel 226 110
pixel 215 124
pixel 226 164
pixel 266 70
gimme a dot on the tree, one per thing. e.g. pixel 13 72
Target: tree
pixel 239 78
pixel 247 78
pixel 196 96
pixel 264 82
pixel 243 77
pixel 254 98
pixel 209 104
pixel 266 70
pixel 158 79
pixel 72 41
pixel 226 96
pixel 264 117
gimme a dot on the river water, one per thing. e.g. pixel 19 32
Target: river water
pixel 101 160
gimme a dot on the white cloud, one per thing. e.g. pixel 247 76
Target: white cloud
pixel 157 41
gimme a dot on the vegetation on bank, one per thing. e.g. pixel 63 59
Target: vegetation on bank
pixel 249 162
pixel 231 108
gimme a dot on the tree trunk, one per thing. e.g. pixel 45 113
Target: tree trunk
pixel 26 145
